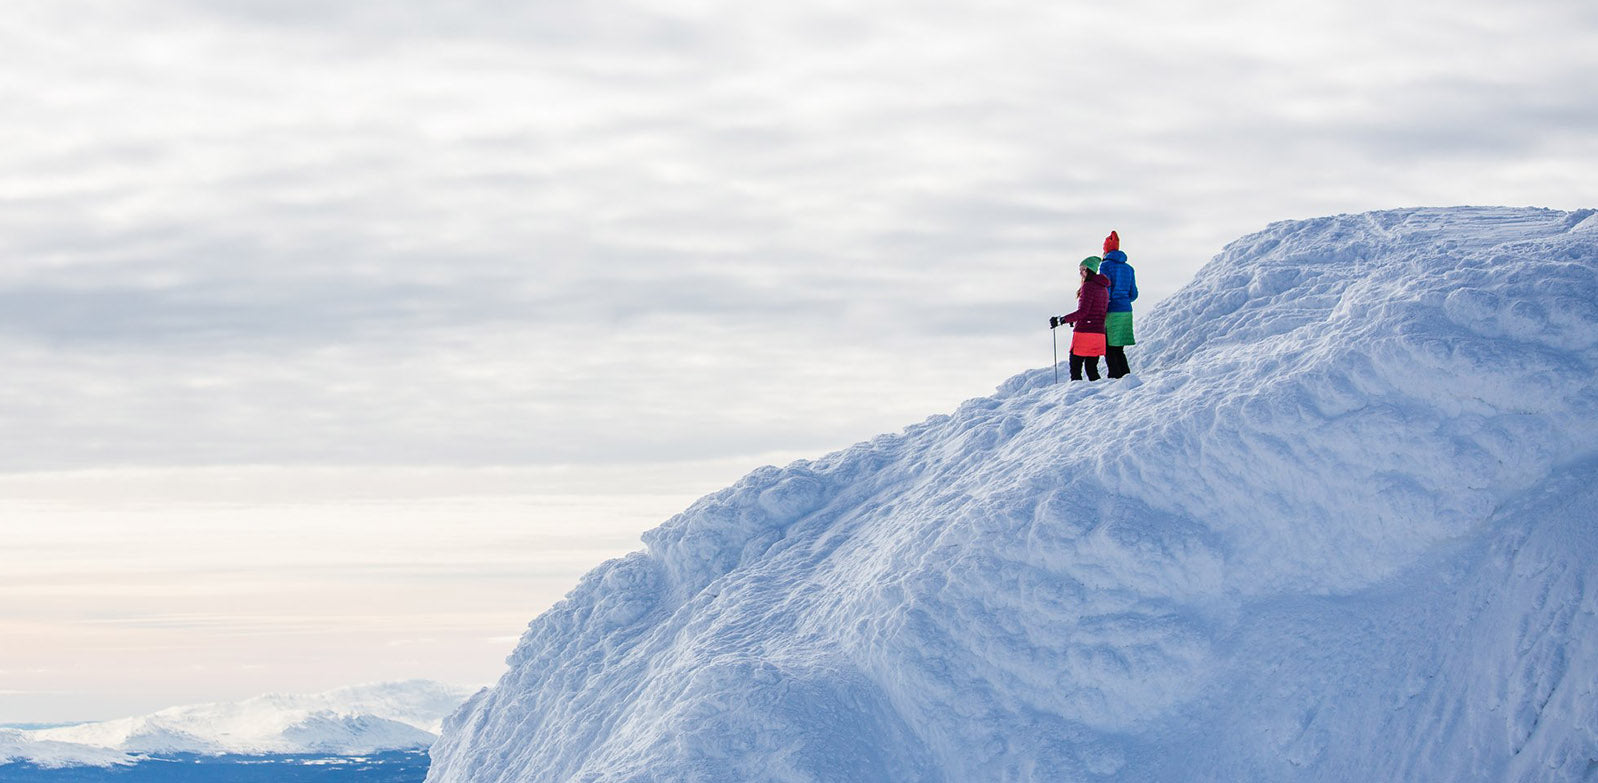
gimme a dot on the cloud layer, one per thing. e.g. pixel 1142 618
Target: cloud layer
pixel 530 233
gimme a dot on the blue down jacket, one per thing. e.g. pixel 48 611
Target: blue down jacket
pixel 1123 281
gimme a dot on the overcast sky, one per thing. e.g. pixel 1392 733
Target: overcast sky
pixel 275 238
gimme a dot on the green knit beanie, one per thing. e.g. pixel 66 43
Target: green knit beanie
pixel 1092 263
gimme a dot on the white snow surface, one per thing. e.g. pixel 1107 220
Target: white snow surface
pixel 347 721
pixel 16 745
pixel 1339 527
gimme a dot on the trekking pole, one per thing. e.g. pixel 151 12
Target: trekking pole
pixel 1055 339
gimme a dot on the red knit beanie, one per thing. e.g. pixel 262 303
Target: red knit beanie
pixel 1112 242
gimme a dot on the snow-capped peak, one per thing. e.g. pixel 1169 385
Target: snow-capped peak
pixel 351 720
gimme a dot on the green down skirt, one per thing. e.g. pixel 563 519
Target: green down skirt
pixel 1118 329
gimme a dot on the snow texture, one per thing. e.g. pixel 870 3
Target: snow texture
pixel 1339 527
pixel 348 721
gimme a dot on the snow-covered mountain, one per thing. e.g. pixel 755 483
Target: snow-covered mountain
pixel 1341 526
pixel 16 745
pixel 347 721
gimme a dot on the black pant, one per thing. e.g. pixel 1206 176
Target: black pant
pixel 1115 361
pixel 1088 363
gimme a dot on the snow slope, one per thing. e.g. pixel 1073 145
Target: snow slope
pixel 348 721
pixel 1340 527
pixel 16 745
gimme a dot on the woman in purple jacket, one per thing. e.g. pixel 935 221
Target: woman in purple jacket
pixel 1087 339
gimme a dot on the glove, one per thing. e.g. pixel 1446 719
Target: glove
pixel 1054 321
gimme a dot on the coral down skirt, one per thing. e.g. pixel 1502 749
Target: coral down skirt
pixel 1087 344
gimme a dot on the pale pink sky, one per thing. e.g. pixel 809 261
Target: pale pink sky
pixel 129 591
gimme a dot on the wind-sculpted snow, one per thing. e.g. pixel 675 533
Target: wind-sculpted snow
pixel 1339 527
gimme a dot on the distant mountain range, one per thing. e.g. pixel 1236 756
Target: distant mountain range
pixel 347 721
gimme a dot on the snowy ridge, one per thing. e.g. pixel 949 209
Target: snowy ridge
pixel 1340 528
pixel 16 745
pixel 347 721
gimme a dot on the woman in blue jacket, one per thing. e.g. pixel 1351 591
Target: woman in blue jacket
pixel 1118 321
